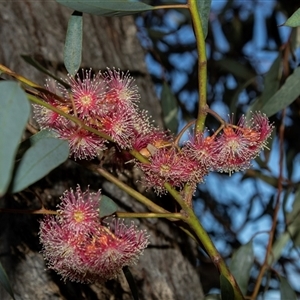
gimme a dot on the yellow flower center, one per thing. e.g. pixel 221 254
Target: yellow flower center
pixel 78 216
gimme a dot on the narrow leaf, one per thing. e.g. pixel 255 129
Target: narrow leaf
pixel 271 85
pixel 131 283
pixel 227 292
pixel 169 108
pixel 14 113
pixel 241 271
pixel 286 291
pixel 294 19
pixel 204 9
pixel 107 7
pixel 107 207
pixel 73 44
pixel 284 96
pixel 4 281
pixel 292 230
pixel 31 61
pixel 235 68
pixel 25 145
pixel 45 155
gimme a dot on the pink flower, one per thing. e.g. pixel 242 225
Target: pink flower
pixel 119 125
pixel 122 86
pixel 79 212
pixel 261 126
pixel 86 93
pixel 83 144
pixel 47 118
pixel 201 149
pixel 166 165
pixel 79 247
pixel 238 145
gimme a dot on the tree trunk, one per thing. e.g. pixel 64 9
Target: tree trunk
pixel 167 270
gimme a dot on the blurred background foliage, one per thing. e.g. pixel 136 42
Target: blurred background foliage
pixel 249 57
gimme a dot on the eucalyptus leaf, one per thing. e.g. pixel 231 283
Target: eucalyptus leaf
pixel 169 108
pixel 4 281
pixel 294 19
pixel 30 60
pixel 286 291
pixel 292 230
pixel 236 68
pixel 45 155
pixel 14 113
pixel 241 271
pixel 107 7
pixel 25 145
pixel 271 85
pixel 227 292
pixel 107 207
pixel 204 9
pixel 131 283
pixel 73 44
pixel 289 91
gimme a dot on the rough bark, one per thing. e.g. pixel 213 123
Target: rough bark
pixel 167 270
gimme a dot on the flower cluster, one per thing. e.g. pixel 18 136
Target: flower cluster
pixel 106 102
pixel 229 150
pixel 80 248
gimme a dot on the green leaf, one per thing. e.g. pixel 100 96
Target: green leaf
pixel 131 283
pixel 292 231
pixel 107 207
pixel 4 281
pixel 25 145
pixel 235 68
pixel 271 85
pixel 227 292
pixel 284 96
pixel 294 19
pixel 73 44
pixel 271 180
pixel 204 9
pixel 45 155
pixel 14 113
pixel 286 291
pixel 241 271
pixel 31 61
pixel 107 7
pixel 45 133
pixel 169 108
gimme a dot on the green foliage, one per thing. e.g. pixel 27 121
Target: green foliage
pixel 286 292
pixel 73 44
pixel 226 288
pixel 169 108
pixel 204 9
pixel 107 7
pixel 241 264
pixel 14 113
pixel 291 232
pixel 31 61
pixel 294 19
pixel 107 207
pixel 271 85
pixel 288 92
pixel 42 157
